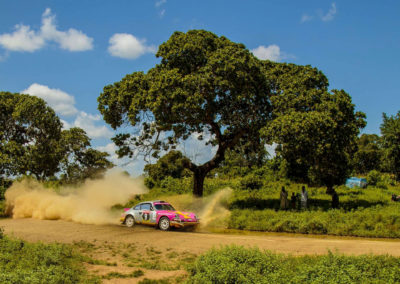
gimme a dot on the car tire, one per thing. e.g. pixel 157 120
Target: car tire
pixel 164 224
pixel 129 221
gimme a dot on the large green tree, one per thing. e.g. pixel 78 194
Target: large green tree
pixel 80 161
pixel 315 128
pixel 390 135
pixel 171 164
pixel 204 84
pixel 29 134
pixel 369 154
pixel 33 143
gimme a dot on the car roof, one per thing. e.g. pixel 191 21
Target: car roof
pixel 153 201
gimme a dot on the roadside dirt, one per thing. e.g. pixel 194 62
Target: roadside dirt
pixel 162 255
pixel 195 242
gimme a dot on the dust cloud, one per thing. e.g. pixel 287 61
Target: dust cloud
pixel 87 204
pixel 212 210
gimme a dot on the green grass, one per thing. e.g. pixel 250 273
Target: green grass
pixel 362 212
pixel 233 264
pixel 23 262
pixel 2 208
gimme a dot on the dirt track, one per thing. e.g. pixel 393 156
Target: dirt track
pixel 195 242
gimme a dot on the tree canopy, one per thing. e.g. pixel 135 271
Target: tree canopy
pixel 204 84
pixel 80 161
pixel 369 154
pixel 390 133
pixel 315 128
pixel 171 164
pixel 29 133
pixel 33 143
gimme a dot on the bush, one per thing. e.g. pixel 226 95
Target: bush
pixel 251 181
pixel 373 177
pixel 2 208
pixel 22 262
pixel 233 264
pixel 2 192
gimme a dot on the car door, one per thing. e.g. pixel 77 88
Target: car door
pixel 145 212
pixel 153 215
pixel 137 215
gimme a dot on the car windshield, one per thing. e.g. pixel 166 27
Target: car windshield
pixel 164 206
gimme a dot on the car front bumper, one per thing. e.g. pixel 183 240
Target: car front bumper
pixel 181 224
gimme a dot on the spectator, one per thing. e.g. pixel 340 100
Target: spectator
pixel 284 199
pixel 335 200
pixel 293 201
pixel 304 197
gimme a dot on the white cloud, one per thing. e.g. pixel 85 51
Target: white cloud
pixel 72 40
pixel 25 39
pixel 159 3
pixel 88 122
pixel 306 18
pixel 329 16
pixel 331 13
pixel 64 105
pixel 271 52
pixel 66 125
pixel 60 101
pixel 128 46
pixel 22 39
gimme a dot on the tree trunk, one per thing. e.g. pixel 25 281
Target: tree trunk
pixel 329 189
pixel 198 182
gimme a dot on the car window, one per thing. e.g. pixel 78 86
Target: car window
pixel 145 206
pixel 137 207
pixel 164 206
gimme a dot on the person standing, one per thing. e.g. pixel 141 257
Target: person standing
pixel 284 198
pixel 293 201
pixel 304 197
pixel 335 200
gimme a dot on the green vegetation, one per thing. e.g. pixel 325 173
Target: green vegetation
pixel 23 262
pixel 2 208
pixel 316 129
pixel 205 85
pixel 171 165
pixel 390 129
pixel 32 143
pixel 254 205
pixel 234 264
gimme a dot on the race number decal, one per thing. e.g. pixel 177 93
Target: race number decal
pixel 146 216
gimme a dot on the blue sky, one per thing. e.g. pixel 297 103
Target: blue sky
pixel 67 51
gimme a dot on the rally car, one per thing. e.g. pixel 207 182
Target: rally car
pixel 158 213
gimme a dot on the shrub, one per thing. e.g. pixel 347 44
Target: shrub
pixel 233 264
pixel 2 208
pixel 373 177
pixel 22 262
pixel 251 181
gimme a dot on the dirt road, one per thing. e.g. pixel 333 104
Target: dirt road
pixel 195 242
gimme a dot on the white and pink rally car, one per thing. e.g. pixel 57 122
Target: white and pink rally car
pixel 158 213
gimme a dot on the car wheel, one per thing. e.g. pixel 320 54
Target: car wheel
pixel 164 224
pixel 129 221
